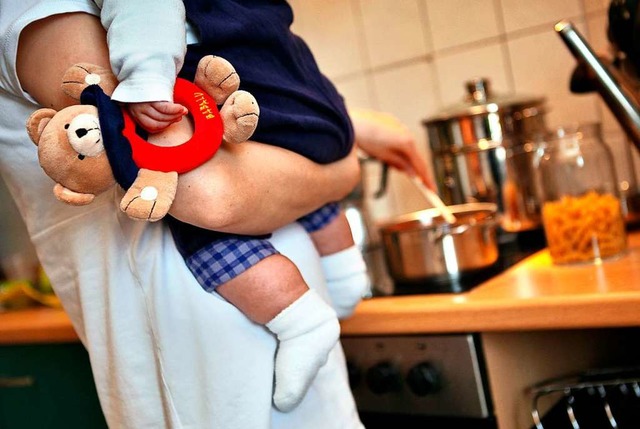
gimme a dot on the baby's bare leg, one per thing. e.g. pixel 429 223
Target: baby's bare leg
pixel 343 265
pixel 244 179
pixel 334 237
pixel 273 293
pixel 264 290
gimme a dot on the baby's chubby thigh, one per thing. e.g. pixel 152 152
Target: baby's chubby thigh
pixel 205 196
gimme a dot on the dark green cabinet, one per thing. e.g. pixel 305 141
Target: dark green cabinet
pixel 48 387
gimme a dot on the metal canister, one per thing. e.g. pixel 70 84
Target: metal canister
pixel 483 150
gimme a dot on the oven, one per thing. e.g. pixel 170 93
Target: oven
pixel 417 381
pixel 411 381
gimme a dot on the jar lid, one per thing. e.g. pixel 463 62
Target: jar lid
pixel 480 100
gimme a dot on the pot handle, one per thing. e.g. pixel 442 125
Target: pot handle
pixel 448 230
pixel 461 229
pixel 384 178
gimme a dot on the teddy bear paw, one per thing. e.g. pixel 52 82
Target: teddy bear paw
pixel 240 114
pixel 150 196
pixel 145 204
pixel 81 75
pixel 217 77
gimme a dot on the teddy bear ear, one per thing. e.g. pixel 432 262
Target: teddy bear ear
pixel 81 75
pixel 37 121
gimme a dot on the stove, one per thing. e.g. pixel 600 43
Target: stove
pixel 413 381
pixel 512 248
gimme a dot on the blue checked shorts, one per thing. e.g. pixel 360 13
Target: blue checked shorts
pixel 224 259
pixel 320 218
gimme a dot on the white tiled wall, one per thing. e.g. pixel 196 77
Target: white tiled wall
pixel 412 57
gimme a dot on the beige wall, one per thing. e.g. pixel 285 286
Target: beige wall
pixel 412 57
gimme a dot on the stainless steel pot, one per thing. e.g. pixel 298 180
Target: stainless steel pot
pixel 364 232
pixel 483 151
pixel 421 246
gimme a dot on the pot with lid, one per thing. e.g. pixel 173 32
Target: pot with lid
pixel 483 150
pixel 423 250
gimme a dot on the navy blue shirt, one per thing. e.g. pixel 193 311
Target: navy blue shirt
pixel 300 109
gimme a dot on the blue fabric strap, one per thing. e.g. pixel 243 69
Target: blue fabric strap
pixel 116 145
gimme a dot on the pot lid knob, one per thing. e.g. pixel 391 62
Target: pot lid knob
pixel 478 91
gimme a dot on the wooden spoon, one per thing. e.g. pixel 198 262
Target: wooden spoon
pixel 435 200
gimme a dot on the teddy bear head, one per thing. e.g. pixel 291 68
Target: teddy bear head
pixel 71 152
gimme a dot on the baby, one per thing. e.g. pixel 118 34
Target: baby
pixel 247 271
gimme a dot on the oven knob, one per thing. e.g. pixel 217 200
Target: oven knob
pixel 383 378
pixel 354 374
pixel 424 379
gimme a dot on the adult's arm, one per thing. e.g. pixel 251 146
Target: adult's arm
pixel 255 188
pixel 382 136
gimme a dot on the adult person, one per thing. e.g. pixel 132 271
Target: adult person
pixel 144 321
pixel 299 110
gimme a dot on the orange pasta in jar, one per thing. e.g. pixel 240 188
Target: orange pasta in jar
pixel 584 228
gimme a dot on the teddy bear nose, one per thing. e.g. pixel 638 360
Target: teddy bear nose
pixel 81 132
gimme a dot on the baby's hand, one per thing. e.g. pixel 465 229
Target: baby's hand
pixel 157 115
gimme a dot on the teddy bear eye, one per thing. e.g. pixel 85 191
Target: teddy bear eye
pixel 66 126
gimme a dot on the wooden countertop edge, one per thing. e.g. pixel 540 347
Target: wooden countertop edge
pixel 381 316
pixel 417 314
pixel 36 325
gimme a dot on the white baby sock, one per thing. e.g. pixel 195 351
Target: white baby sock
pixel 347 279
pixel 307 330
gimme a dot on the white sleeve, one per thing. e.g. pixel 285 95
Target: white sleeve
pixel 14 17
pixel 147 45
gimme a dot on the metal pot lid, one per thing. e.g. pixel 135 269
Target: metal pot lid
pixel 480 100
pixel 468 214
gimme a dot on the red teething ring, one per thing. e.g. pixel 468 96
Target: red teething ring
pixel 201 147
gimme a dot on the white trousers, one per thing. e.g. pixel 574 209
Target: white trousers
pixel 166 354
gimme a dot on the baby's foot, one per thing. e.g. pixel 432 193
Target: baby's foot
pixel 307 330
pixel 347 280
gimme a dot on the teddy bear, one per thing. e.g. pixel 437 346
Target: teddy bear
pixel 87 148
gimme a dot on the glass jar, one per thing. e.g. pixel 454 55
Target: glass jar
pixel 581 211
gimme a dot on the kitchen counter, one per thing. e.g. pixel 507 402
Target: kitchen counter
pixel 532 295
pixel 36 325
